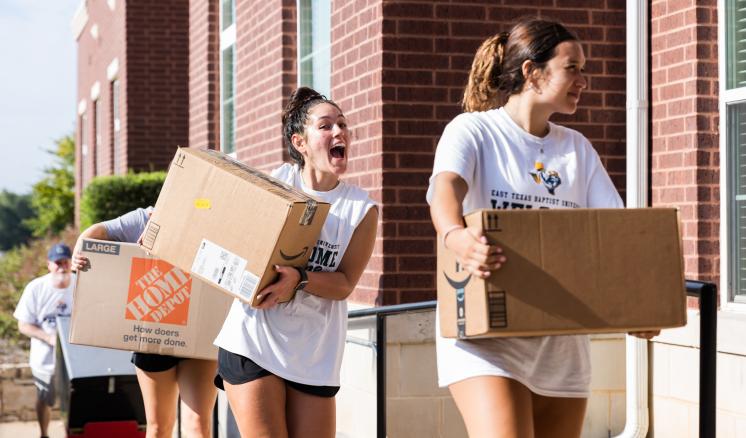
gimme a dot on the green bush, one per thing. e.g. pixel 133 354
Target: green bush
pixel 108 197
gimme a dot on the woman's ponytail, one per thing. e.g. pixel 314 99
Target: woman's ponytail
pixel 482 90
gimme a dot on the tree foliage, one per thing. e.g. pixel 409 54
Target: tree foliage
pixel 53 198
pixel 14 210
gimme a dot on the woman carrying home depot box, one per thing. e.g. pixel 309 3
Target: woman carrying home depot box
pixel 280 363
pixel 163 379
pixel 505 153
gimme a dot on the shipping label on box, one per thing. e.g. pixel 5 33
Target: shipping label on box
pixel 568 271
pixel 130 300
pixel 229 224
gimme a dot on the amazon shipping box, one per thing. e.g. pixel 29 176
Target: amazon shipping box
pixel 129 300
pixel 229 224
pixel 568 271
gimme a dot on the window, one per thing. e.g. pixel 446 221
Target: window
pixel 733 140
pixel 227 74
pixel 97 161
pixel 84 165
pixel 116 145
pixel 314 45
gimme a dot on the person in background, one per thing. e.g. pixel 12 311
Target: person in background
pixel 162 379
pixel 504 149
pixel 280 363
pixel 43 299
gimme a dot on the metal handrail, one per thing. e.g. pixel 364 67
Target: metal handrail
pixel 705 292
pixel 380 349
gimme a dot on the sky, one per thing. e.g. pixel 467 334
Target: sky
pixel 37 86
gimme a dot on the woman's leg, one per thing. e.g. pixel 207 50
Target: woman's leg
pixel 195 379
pixel 558 417
pixel 494 407
pixel 310 415
pixel 259 407
pixel 159 394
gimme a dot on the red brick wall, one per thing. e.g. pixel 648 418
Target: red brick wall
pixel 685 156
pixel 427 49
pixel 356 87
pixel 94 57
pixel 265 74
pixel 157 86
pixel 204 74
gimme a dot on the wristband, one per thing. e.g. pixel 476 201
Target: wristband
pixel 448 231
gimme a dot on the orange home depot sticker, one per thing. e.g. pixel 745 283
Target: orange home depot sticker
pixel 158 292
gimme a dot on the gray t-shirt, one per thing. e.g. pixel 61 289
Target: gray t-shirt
pixel 129 226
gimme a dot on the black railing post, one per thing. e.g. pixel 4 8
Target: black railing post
pixel 380 349
pixel 708 302
pixel 215 417
pixel 381 375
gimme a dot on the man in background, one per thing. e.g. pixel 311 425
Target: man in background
pixel 43 299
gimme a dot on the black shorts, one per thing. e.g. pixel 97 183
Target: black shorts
pixel 236 369
pixel 154 363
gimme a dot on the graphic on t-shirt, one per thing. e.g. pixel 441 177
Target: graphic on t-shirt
pixel 158 292
pixel 50 320
pixel 550 178
pixel 324 255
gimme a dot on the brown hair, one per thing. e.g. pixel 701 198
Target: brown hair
pixel 496 72
pixel 295 116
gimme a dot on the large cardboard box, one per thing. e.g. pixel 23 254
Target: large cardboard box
pixel 229 224
pixel 568 271
pixel 129 300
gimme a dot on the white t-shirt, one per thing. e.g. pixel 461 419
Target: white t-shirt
pixel 505 167
pixel 40 303
pixel 302 340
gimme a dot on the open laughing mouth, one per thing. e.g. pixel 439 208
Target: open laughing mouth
pixel 337 151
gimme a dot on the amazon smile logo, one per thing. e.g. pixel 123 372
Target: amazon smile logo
pixel 460 289
pixel 293 256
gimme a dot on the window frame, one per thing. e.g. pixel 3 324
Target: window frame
pixel 85 176
pixel 728 299
pixel 227 41
pixel 115 91
pixel 314 52
pixel 97 137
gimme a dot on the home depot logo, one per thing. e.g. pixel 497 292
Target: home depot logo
pixel 158 292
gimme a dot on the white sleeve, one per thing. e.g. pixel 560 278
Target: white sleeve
pixel 457 152
pixel 26 308
pixel 601 191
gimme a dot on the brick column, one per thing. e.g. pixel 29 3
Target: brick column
pixel 265 75
pixel 204 74
pixel 685 155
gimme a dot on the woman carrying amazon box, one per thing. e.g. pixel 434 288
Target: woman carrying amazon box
pixel 279 363
pixel 162 379
pixel 503 152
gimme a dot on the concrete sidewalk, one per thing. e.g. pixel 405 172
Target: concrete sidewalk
pixel 30 429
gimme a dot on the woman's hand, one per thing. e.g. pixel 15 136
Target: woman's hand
pixel 281 290
pixel 80 263
pixel 645 335
pixel 473 251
